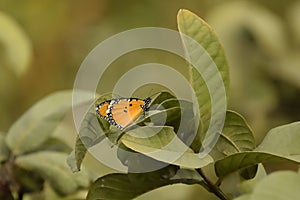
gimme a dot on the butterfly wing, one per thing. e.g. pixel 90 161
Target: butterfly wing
pixel 102 108
pixel 125 111
pixel 122 112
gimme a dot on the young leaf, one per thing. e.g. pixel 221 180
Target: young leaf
pixel 191 25
pixel 280 144
pixel 129 186
pixel 53 168
pixel 161 143
pixel 34 127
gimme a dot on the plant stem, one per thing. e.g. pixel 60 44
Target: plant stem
pixel 211 187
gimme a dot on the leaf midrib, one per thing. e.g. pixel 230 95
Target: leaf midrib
pixel 231 142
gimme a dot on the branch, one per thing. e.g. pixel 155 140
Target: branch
pixel 211 187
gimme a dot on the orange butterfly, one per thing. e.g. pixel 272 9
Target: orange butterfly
pixel 123 111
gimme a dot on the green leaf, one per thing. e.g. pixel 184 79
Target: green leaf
pixel 129 186
pixel 4 151
pixel 249 172
pixel 14 42
pixel 161 117
pixel 191 25
pixel 277 186
pixel 247 186
pixel 91 132
pixel 137 162
pixel 161 97
pixel 188 176
pixel 180 115
pixel 35 126
pixel 280 144
pixel 76 157
pixel 161 143
pixel 283 140
pixel 80 151
pixel 242 160
pixel 53 168
pixel 236 135
pixel 54 144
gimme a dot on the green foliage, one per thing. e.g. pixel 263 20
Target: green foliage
pixel 53 168
pixel 191 25
pixel 171 133
pixel 30 155
pixel 163 139
pixel 236 135
pixel 162 144
pixel 280 144
pixel 279 185
pixel 25 134
pixel 129 186
pixel 260 41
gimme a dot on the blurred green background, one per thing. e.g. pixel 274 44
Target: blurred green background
pixel 42 44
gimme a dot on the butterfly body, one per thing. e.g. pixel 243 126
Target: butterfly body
pixel 123 111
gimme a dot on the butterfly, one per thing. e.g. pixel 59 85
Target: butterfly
pixel 122 112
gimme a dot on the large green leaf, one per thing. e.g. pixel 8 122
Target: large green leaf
pixel 129 186
pixel 14 42
pixel 277 186
pixel 35 126
pixel 161 143
pixel 191 25
pixel 53 168
pixel 280 144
